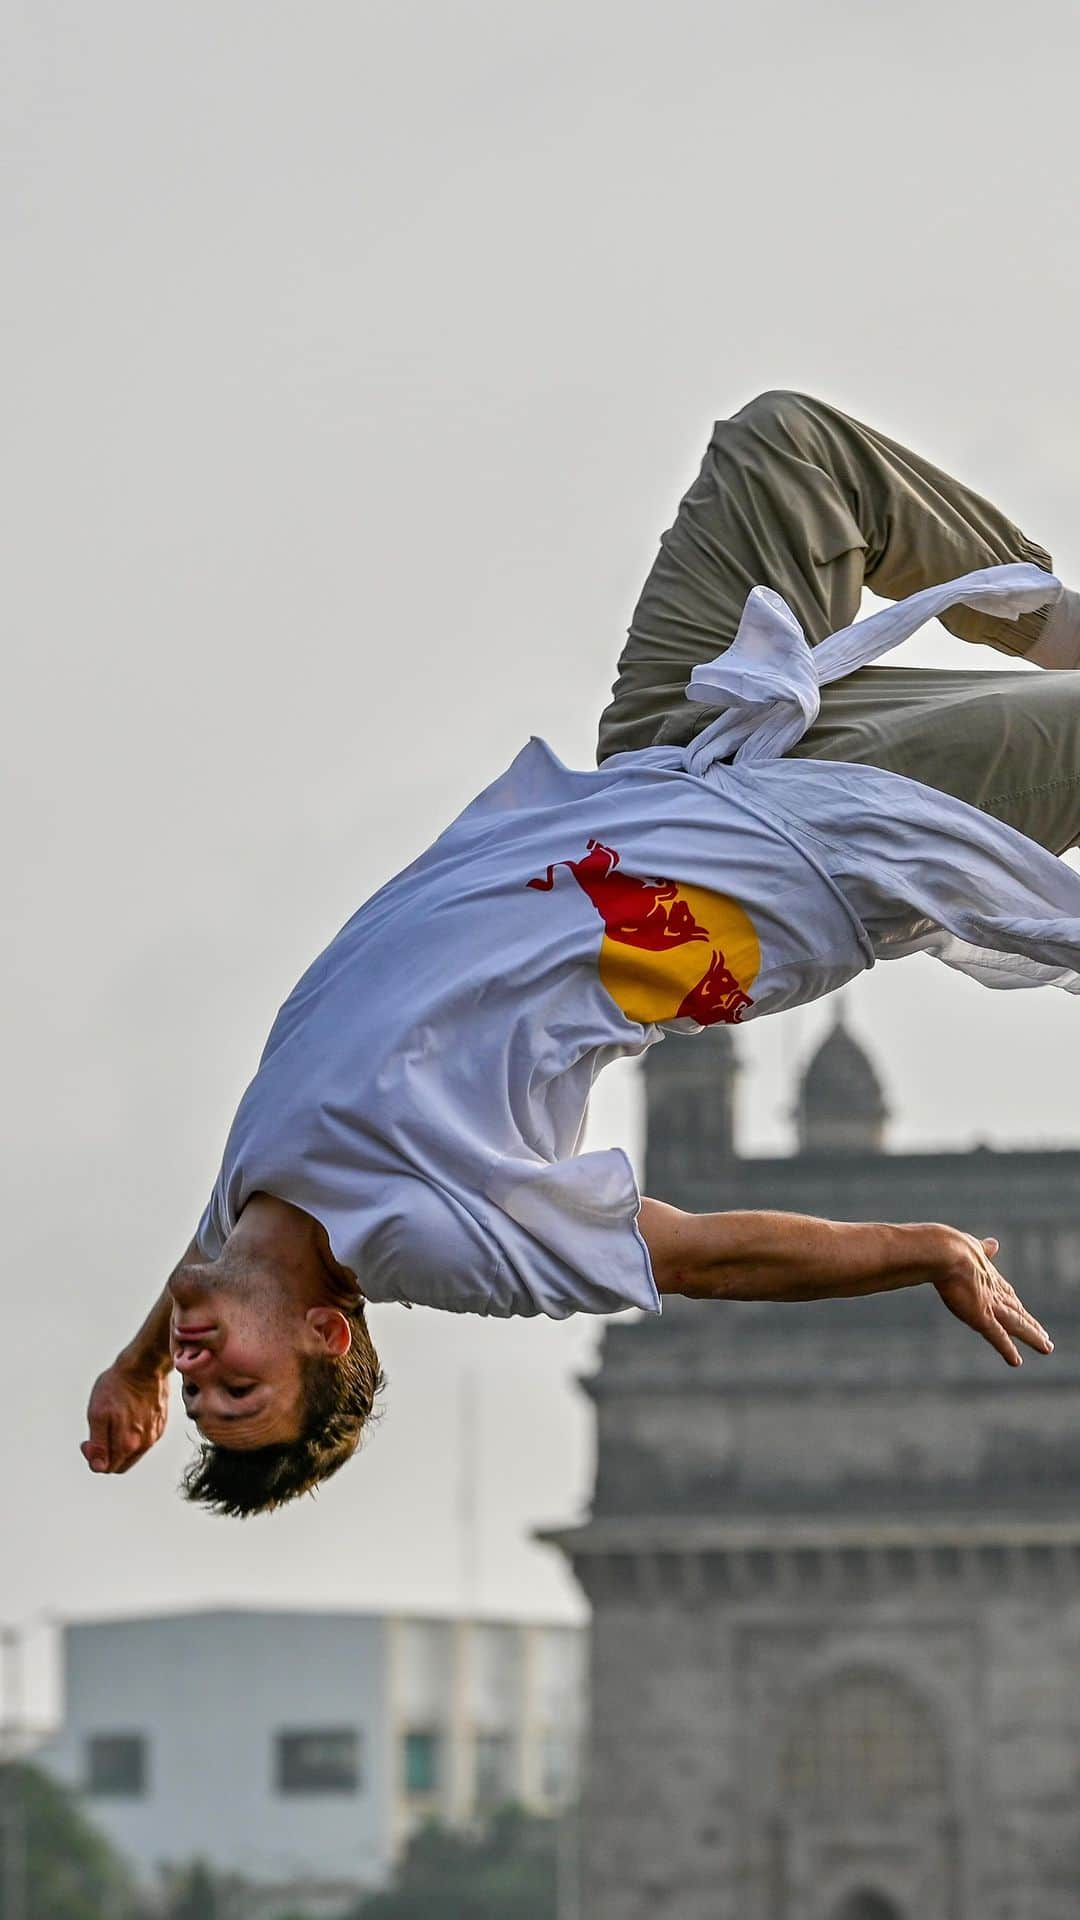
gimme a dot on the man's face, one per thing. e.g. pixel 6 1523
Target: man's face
pixel 238 1346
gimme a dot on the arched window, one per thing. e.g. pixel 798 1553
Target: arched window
pixel 858 1744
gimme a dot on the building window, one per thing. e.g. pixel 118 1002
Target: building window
pixel 116 1765
pixel 318 1760
pixel 863 1741
pixel 420 1762
pixel 558 1770
pixel 493 1766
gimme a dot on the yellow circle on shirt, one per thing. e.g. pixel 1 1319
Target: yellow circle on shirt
pixel 650 987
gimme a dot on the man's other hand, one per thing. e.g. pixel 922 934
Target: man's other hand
pixel 128 1409
pixel 983 1299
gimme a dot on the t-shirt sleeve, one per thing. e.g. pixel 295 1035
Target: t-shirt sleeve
pixel 213 1230
pixel 546 1238
pixel 568 1232
pixel 428 1250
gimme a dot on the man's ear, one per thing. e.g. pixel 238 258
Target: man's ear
pixel 331 1330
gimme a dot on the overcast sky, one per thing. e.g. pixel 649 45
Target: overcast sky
pixel 356 355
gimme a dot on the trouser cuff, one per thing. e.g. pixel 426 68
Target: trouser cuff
pixel 1058 645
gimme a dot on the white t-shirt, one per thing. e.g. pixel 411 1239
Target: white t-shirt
pixel 424 1089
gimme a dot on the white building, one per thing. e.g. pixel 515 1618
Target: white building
pixel 300 1749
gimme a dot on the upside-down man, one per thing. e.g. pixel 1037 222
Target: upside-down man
pixel 770 816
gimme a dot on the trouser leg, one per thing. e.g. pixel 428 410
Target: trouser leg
pixel 796 496
pixel 1008 743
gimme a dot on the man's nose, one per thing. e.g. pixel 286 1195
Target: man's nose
pixel 189 1289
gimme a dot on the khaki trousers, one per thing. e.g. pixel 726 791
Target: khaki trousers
pixel 798 497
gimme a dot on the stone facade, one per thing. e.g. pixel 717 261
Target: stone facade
pixel 834 1554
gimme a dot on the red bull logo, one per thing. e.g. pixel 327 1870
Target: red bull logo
pixel 669 950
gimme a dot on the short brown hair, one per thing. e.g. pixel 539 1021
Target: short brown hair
pixel 338 1397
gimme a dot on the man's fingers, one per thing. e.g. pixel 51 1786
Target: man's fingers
pixel 111 1448
pixel 100 1449
pixel 986 1302
pixel 993 1331
pixel 1019 1322
pixel 116 1459
pixel 124 1420
pixel 1014 1316
pixel 129 1447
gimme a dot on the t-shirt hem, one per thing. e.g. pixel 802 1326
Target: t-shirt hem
pixel 651 1301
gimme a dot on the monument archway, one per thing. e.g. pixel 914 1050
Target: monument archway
pixel 864 1769
pixel 862 1743
pixel 867 1906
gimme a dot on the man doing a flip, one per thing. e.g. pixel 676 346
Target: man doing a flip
pixel 770 815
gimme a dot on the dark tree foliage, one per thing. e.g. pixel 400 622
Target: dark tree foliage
pixel 506 1872
pixel 64 1868
pixel 195 1894
pixel 196 1891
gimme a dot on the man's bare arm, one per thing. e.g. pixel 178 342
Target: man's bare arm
pixel 790 1256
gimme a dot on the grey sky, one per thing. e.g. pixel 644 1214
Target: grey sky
pixel 356 356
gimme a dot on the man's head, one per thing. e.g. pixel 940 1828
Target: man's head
pixel 279 1371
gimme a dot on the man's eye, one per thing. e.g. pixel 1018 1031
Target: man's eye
pixel 239 1393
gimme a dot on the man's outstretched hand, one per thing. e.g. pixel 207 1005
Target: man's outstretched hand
pixel 983 1299
pixel 129 1406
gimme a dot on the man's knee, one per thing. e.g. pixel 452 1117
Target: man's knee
pixel 780 409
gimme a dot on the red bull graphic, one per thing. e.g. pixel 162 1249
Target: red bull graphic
pixel 669 950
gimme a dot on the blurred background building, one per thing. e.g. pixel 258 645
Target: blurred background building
pixel 834 1554
pixel 300 1750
